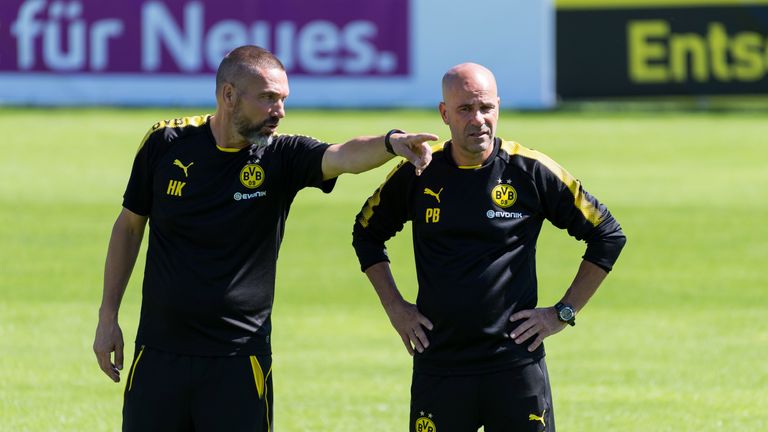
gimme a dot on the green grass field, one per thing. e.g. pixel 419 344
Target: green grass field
pixel 675 340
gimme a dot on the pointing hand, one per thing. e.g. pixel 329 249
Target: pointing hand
pixel 414 147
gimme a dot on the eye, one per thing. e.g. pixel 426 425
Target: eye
pixel 270 97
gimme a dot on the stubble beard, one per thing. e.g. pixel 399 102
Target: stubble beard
pixel 253 133
pixel 476 146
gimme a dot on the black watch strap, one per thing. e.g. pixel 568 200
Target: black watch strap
pixel 387 143
pixel 566 313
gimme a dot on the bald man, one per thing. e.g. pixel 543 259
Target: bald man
pixel 475 331
pixel 216 190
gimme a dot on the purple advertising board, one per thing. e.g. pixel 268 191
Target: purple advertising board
pixel 312 38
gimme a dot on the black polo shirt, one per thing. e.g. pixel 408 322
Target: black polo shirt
pixel 474 238
pixel 216 220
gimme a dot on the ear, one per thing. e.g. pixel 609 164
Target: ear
pixel 228 95
pixel 443 111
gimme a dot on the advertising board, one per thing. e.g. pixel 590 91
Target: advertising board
pixel 338 53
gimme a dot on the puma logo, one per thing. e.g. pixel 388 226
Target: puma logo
pixel 534 417
pixel 428 191
pixel 181 165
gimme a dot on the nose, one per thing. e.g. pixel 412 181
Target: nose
pixel 477 118
pixel 278 109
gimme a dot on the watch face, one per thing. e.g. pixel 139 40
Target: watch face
pixel 566 314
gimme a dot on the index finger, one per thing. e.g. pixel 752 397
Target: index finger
pixel 105 364
pixel 425 322
pixel 520 315
pixel 407 343
pixel 102 358
pixel 421 137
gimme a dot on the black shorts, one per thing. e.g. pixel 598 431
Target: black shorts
pixel 517 399
pixel 172 392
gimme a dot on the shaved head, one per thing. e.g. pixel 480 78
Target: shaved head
pixel 468 76
pixel 244 62
pixel 470 108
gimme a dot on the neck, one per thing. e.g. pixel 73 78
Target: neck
pixel 471 159
pixel 223 134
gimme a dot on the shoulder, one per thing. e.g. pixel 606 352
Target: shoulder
pixel 539 166
pixel 509 150
pixel 526 158
pixel 165 132
pixel 438 150
pixel 405 172
pixel 439 156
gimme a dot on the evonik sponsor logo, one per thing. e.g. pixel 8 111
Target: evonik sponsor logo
pixel 495 214
pixel 246 196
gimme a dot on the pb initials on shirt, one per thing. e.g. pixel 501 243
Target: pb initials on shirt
pixel 175 187
pixel 432 215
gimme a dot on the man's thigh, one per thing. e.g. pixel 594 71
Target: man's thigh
pixel 157 392
pixel 444 403
pixel 235 394
pixel 170 392
pixel 518 399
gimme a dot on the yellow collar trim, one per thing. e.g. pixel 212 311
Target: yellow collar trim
pixel 228 149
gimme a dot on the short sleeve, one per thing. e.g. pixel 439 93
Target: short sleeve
pixel 304 162
pixel 138 194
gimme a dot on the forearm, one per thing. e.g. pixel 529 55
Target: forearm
pixel 588 278
pixel 409 323
pixel 355 156
pixel 124 245
pixel 383 283
pixel 365 153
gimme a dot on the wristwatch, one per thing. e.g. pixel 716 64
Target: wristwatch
pixel 566 313
pixel 387 143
